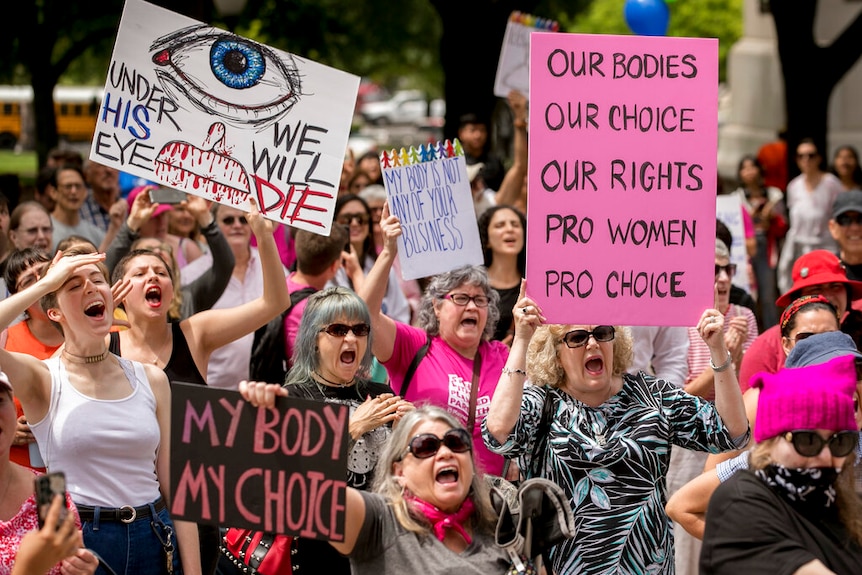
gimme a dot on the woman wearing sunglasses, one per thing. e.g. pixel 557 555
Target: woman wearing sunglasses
pixel 607 434
pixel 809 205
pixel 332 362
pixel 430 511
pixel 183 349
pixel 449 360
pixel 804 317
pixel 795 510
pixel 353 213
pixel 688 505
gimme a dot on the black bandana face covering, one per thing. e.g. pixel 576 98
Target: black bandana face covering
pixel 811 488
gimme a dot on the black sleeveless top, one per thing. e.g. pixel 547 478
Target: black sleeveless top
pixel 181 366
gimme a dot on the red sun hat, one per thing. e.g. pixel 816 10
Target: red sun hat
pixel 815 268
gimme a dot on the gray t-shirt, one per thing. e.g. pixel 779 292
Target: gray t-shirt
pixel 384 548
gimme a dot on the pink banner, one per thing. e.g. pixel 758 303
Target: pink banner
pixel 622 178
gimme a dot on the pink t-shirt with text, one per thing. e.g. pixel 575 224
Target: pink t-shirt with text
pixel 444 378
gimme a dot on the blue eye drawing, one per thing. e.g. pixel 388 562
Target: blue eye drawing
pixel 241 81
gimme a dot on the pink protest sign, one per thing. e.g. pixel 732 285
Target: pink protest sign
pixel 622 178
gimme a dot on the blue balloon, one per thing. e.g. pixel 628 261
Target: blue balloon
pixel 647 17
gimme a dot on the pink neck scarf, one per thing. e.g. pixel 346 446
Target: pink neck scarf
pixel 440 520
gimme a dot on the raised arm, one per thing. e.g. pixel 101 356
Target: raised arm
pixel 212 329
pixel 728 398
pixel 140 211
pixel 510 189
pixel 374 288
pixel 205 291
pixel 29 376
pixel 506 403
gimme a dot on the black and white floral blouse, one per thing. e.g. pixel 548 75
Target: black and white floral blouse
pixel 612 461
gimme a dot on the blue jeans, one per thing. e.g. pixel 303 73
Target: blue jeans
pixel 132 548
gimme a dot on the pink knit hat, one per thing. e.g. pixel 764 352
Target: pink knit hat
pixel 818 396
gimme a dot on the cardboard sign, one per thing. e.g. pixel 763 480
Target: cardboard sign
pixel 622 178
pixel 223 117
pixel 279 470
pixel 728 209
pixel 513 69
pixel 429 191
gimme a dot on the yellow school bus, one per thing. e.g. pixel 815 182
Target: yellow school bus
pixel 76 108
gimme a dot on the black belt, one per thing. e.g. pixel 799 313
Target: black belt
pixel 125 514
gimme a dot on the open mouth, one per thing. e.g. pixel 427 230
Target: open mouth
pixel 447 475
pixel 348 357
pixel 153 295
pixel 594 365
pixel 95 309
pixel 470 322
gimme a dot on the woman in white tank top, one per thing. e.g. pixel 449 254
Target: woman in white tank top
pixel 104 421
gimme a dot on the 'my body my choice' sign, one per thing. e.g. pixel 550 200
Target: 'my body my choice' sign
pixel 279 470
pixel 622 178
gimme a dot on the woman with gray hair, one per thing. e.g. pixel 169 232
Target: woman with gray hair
pixel 430 511
pixel 449 361
pixel 332 363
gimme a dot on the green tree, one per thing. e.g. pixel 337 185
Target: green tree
pixel 811 71
pixel 720 19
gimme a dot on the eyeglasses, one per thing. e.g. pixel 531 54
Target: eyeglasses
pixel 845 220
pixel 810 444
pixel 427 445
pixel 729 269
pixel 806 155
pixel 229 220
pixel 347 219
pixel 580 337
pixel 463 299
pixel 75 186
pixel 341 329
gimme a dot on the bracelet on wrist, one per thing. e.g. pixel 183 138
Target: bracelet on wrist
pixel 511 372
pixel 723 367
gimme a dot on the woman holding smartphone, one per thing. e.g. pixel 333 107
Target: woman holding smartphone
pixel 51 546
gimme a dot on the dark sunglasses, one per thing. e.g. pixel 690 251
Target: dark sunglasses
pixel 810 444
pixel 229 220
pixel 807 155
pixel 802 335
pixel 580 337
pixel 341 329
pixel 347 219
pixel 463 299
pixel 729 269
pixel 427 445
pixel 845 220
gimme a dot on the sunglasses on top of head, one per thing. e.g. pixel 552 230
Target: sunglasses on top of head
pixel 341 329
pixel 808 443
pixel 427 445
pixel 580 337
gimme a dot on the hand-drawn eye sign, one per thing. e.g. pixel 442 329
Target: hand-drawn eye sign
pixel 249 85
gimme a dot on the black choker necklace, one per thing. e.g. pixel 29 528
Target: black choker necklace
pixel 85 358
pixel 335 383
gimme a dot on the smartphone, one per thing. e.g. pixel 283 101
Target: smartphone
pixel 347 245
pixel 167 196
pixel 47 486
